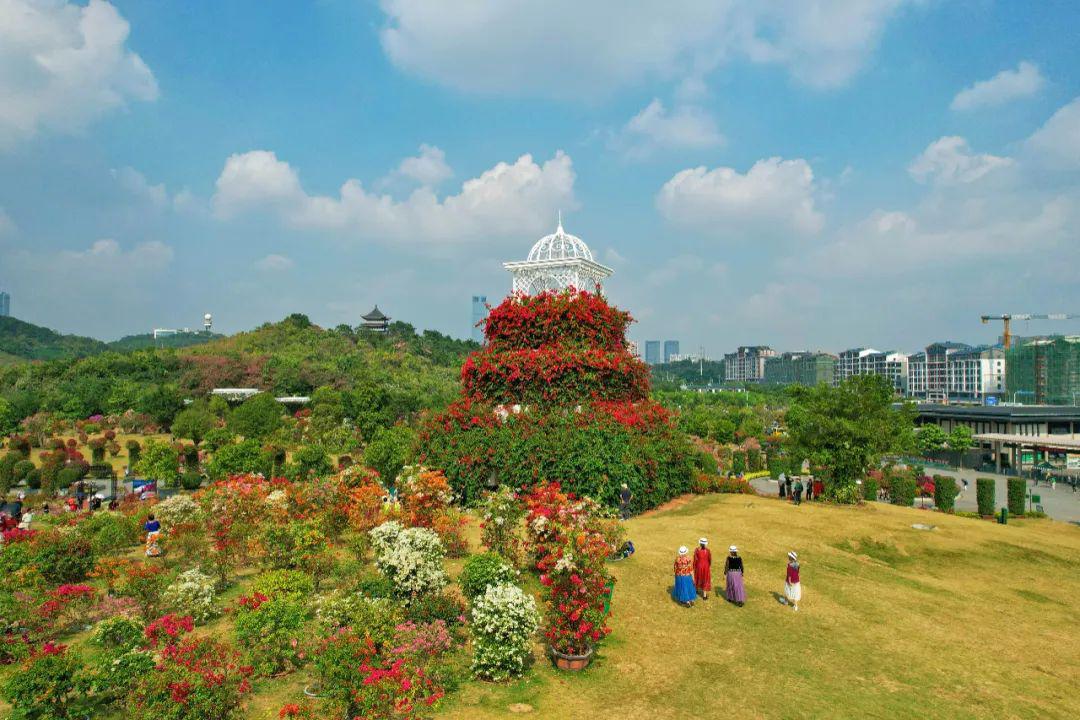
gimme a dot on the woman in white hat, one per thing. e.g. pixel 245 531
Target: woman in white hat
pixel 733 577
pixel 684 591
pixel 792 586
pixel 703 568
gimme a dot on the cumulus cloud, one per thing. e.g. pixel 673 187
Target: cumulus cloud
pixel 7 225
pixel 655 128
pixel 775 196
pixel 949 161
pixel 136 183
pixel 506 200
pixel 1057 143
pixel 683 267
pixel 275 263
pixel 1005 87
pixel 428 168
pixel 574 50
pixel 144 257
pixel 64 65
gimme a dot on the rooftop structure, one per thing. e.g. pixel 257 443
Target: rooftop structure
pixel 868 361
pixel 747 364
pixel 375 321
pixel 556 262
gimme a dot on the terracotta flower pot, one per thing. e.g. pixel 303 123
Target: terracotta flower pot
pixel 574 663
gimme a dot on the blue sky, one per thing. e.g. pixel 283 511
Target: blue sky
pixel 799 174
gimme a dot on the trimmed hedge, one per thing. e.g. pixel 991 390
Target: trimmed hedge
pixel 902 490
pixel 945 492
pixel 984 495
pixel 870 488
pixel 1017 493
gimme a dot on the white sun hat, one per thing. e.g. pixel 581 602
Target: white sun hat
pixel 793 555
pixel 703 541
pixel 683 550
pixel 733 549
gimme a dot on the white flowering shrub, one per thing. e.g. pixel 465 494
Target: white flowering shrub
pixel 504 620
pixel 278 500
pixel 177 510
pixel 192 593
pixel 410 558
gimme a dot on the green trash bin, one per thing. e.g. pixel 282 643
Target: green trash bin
pixel 1003 518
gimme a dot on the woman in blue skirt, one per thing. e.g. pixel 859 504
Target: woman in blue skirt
pixel 685 593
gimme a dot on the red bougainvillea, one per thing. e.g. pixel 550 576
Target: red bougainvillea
pixel 571 318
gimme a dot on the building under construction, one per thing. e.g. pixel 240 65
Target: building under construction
pixel 1044 371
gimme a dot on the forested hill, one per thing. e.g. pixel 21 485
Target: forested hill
pixel 398 372
pixel 32 342
pixel 147 340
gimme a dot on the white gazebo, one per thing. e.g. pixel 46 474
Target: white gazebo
pixel 556 262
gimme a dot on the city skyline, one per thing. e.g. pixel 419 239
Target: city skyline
pixel 826 184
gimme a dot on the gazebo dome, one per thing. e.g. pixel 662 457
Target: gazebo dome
pixel 560 245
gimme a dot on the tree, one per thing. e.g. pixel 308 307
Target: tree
pixel 258 417
pixel 242 457
pixel 845 430
pixel 161 402
pixel 159 461
pixel 193 423
pixel 390 450
pixel 961 439
pixel 930 438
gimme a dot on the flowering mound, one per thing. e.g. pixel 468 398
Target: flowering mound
pixel 555 395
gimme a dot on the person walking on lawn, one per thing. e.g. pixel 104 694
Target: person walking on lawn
pixel 684 591
pixel 734 589
pixel 797 496
pixel 792 586
pixel 703 568
pixel 625 496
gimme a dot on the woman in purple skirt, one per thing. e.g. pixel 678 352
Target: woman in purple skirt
pixel 733 577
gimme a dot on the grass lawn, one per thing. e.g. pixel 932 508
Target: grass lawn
pixel 971 620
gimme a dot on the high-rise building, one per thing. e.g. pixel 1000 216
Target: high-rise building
pixel 652 352
pixel 955 371
pixel 479 314
pixel 671 347
pixel 5 304
pixel 747 364
pixel 868 361
pixel 803 368
pixel 1044 371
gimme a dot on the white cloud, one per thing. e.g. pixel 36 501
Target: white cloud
pixel 136 183
pixel 7 225
pixel 687 127
pixel 1006 86
pixel 574 50
pixel 63 65
pixel 949 161
pixel 774 197
pixel 275 263
pixel 683 267
pixel 428 169
pixel 506 200
pixel 1057 143
pixel 144 257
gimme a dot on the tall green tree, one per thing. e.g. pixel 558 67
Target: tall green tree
pixel 159 461
pixel 961 439
pixel 257 417
pixel 193 423
pixel 930 439
pixel 844 431
pixel 389 450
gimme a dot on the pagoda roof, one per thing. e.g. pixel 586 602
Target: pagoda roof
pixel 375 315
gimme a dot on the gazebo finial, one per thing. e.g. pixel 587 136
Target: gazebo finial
pixel 560 231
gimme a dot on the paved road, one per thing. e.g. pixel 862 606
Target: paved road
pixel 1060 503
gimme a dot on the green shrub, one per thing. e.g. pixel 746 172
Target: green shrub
pixel 869 488
pixel 109 532
pixel 483 570
pixel 65 558
pixel 374 617
pixel 243 457
pixel 984 495
pixel 21 470
pixel 191 480
pixel 706 463
pixel 504 620
pixel 217 438
pixel 945 492
pixel 442 606
pixel 902 489
pixel 118 633
pixel 375 586
pixel 1017 492
pixel 272 633
pixel 283 584
pixel 49 686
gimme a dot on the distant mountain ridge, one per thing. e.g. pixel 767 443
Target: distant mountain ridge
pixel 20 340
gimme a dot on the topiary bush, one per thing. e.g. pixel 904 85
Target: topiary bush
pixel 118 633
pixel 945 492
pixel 191 593
pixel 483 570
pixel 984 495
pixel 411 558
pixel 1017 489
pixel 272 632
pixel 902 489
pixel 283 583
pixel 375 617
pixel 870 488
pixel 504 621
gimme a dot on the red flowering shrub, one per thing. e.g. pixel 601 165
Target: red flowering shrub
pixel 167 628
pixel 195 678
pixel 66 604
pixel 424 494
pixel 17 535
pixel 570 552
pixel 556 396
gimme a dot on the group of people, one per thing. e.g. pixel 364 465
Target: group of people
pixel 693 576
pixel 793 487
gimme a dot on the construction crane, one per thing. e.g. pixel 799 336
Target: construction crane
pixel 1008 318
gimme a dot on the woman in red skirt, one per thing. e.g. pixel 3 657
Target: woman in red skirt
pixel 703 568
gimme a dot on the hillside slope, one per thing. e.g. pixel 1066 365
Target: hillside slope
pixel 32 342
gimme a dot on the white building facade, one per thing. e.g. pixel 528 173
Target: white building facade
pixel 947 372
pixel 747 364
pixel 868 361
